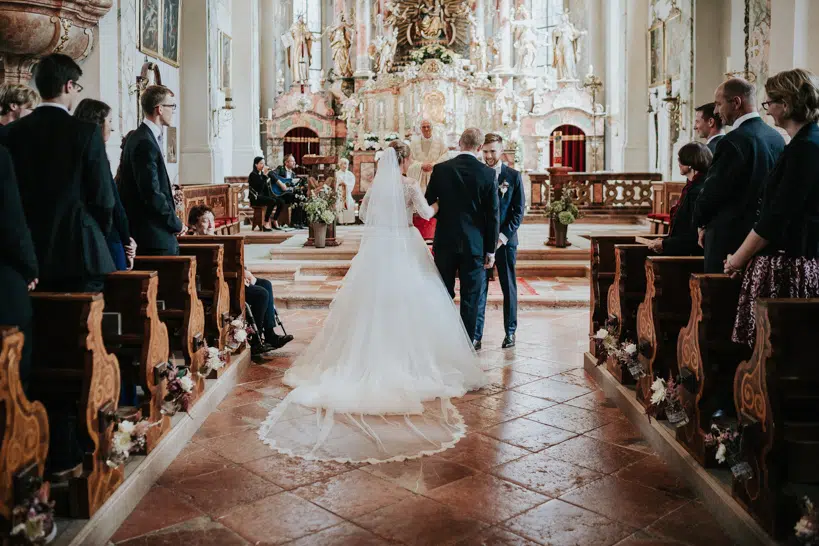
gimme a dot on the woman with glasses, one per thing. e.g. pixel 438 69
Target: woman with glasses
pixel 780 256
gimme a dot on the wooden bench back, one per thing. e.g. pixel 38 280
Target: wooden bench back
pixel 233 265
pixel 23 429
pixel 72 365
pixel 209 269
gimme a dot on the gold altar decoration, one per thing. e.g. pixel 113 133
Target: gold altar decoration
pixel 425 22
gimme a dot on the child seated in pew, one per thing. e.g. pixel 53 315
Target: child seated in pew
pixel 258 292
pixel 694 159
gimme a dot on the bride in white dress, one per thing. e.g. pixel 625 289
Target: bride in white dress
pixel 375 383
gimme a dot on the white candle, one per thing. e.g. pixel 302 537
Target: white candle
pixel 269 113
pixel 727 65
pixel 228 94
pixel 591 70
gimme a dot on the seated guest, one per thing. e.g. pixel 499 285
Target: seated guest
pixel 145 186
pixel 16 101
pixel 260 191
pixel 122 246
pixel 708 125
pixel 299 187
pixel 18 263
pixel 258 292
pixel 780 256
pixel 694 159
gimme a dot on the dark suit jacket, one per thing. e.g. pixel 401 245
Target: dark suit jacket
pixel 729 200
pixel 259 184
pixel 18 262
pixel 511 204
pixel 66 188
pixel 468 200
pixel 713 144
pixel 682 239
pixel 121 231
pixel 146 193
pixel 789 218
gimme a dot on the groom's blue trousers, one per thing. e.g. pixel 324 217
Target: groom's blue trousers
pixel 506 258
pixel 472 275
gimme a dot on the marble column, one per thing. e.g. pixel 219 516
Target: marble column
pixel 504 32
pixel 246 74
pixel 200 162
pixel 362 38
pixel 268 44
pixel 636 157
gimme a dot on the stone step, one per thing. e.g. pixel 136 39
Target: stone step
pixel 313 300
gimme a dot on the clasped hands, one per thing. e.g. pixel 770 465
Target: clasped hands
pixel 731 268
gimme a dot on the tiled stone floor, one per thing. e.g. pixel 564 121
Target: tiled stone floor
pixel 547 460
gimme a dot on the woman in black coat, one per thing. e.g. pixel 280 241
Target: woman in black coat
pixel 694 159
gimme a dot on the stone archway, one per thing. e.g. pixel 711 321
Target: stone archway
pixel 571 147
pixel 301 141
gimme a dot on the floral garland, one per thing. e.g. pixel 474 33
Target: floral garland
pixel 369 141
pixel 127 438
pixel 729 448
pixel 215 360
pixel 807 528
pixel 666 396
pixel 33 520
pixel 180 387
pixel 237 334
pixel 433 51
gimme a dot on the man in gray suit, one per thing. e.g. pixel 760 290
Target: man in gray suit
pixel 708 125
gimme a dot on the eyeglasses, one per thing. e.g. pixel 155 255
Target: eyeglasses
pixel 767 103
pixel 171 106
pixel 77 86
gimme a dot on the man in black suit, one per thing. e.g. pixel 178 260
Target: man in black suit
pixel 18 263
pixel 467 232
pixel 65 182
pixel 145 188
pixel 509 185
pixel 295 186
pixel 708 125
pixel 726 208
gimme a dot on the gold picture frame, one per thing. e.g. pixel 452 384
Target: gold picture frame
pixel 656 55
pixel 159 30
pixel 170 143
pixel 225 60
pixel 673 40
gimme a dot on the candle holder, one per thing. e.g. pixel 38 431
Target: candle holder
pixel 673 104
pixel 594 84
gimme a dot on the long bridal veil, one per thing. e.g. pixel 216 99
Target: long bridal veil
pixel 375 383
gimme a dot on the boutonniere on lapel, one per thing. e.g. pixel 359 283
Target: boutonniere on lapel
pixel 504 187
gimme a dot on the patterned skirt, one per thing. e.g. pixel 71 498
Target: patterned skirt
pixel 772 277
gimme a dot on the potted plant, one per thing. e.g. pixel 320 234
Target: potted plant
pixel 563 212
pixel 320 210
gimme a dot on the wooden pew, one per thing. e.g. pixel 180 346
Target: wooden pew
pixel 143 338
pixel 706 352
pixel 233 265
pixel 23 431
pixel 665 310
pixel 73 367
pixel 183 313
pixel 213 290
pixel 776 394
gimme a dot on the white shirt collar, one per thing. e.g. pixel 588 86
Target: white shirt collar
pixel 155 129
pixel 498 166
pixel 742 119
pixel 54 104
pixel 473 154
pixel 713 137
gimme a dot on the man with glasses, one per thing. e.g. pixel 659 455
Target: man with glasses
pixel 727 206
pixel 145 187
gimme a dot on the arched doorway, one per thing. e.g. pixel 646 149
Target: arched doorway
pixel 572 147
pixel 301 141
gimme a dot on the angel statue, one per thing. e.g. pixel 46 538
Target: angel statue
pixel 477 54
pixel 566 43
pixel 340 42
pixel 382 51
pixel 525 41
pixel 300 41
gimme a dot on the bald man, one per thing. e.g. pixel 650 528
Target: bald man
pixel 426 151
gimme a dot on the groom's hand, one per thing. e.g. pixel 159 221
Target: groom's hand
pixel 489 261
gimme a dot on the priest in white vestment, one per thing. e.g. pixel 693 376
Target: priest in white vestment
pixel 345 201
pixel 426 150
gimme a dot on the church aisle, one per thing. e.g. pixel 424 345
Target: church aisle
pixel 547 460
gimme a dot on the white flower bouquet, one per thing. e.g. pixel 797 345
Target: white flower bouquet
pixel 128 437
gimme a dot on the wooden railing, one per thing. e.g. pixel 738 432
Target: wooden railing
pixel 620 194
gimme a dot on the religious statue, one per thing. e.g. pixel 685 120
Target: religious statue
pixel 280 82
pixel 382 51
pixel 492 54
pixel 426 150
pixel 425 22
pixel 300 41
pixel 477 54
pixel 340 43
pixel 566 43
pixel 431 23
pixel 525 40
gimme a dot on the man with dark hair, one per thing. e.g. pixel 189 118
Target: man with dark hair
pixel 708 125
pixel 145 187
pixel 726 208
pixel 296 186
pixel 466 236
pixel 512 202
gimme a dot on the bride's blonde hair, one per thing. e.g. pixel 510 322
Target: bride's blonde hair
pixel 402 151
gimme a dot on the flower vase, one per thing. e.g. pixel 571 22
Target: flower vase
pixel 319 234
pixel 675 413
pixel 741 470
pixel 635 368
pixel 561 233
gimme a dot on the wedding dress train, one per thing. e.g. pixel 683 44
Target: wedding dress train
pixel 375 383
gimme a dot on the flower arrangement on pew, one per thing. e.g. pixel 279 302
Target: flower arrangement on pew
pixel 729 448
pixel 32 521
pixel 628 355
pixel 128 438
pixel 216 360
pixel 180 387
pixel 604 342
pixel 237 334
pixel 807 528
pixel 665 396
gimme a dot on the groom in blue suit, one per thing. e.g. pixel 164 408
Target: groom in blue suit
pixel 512 201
